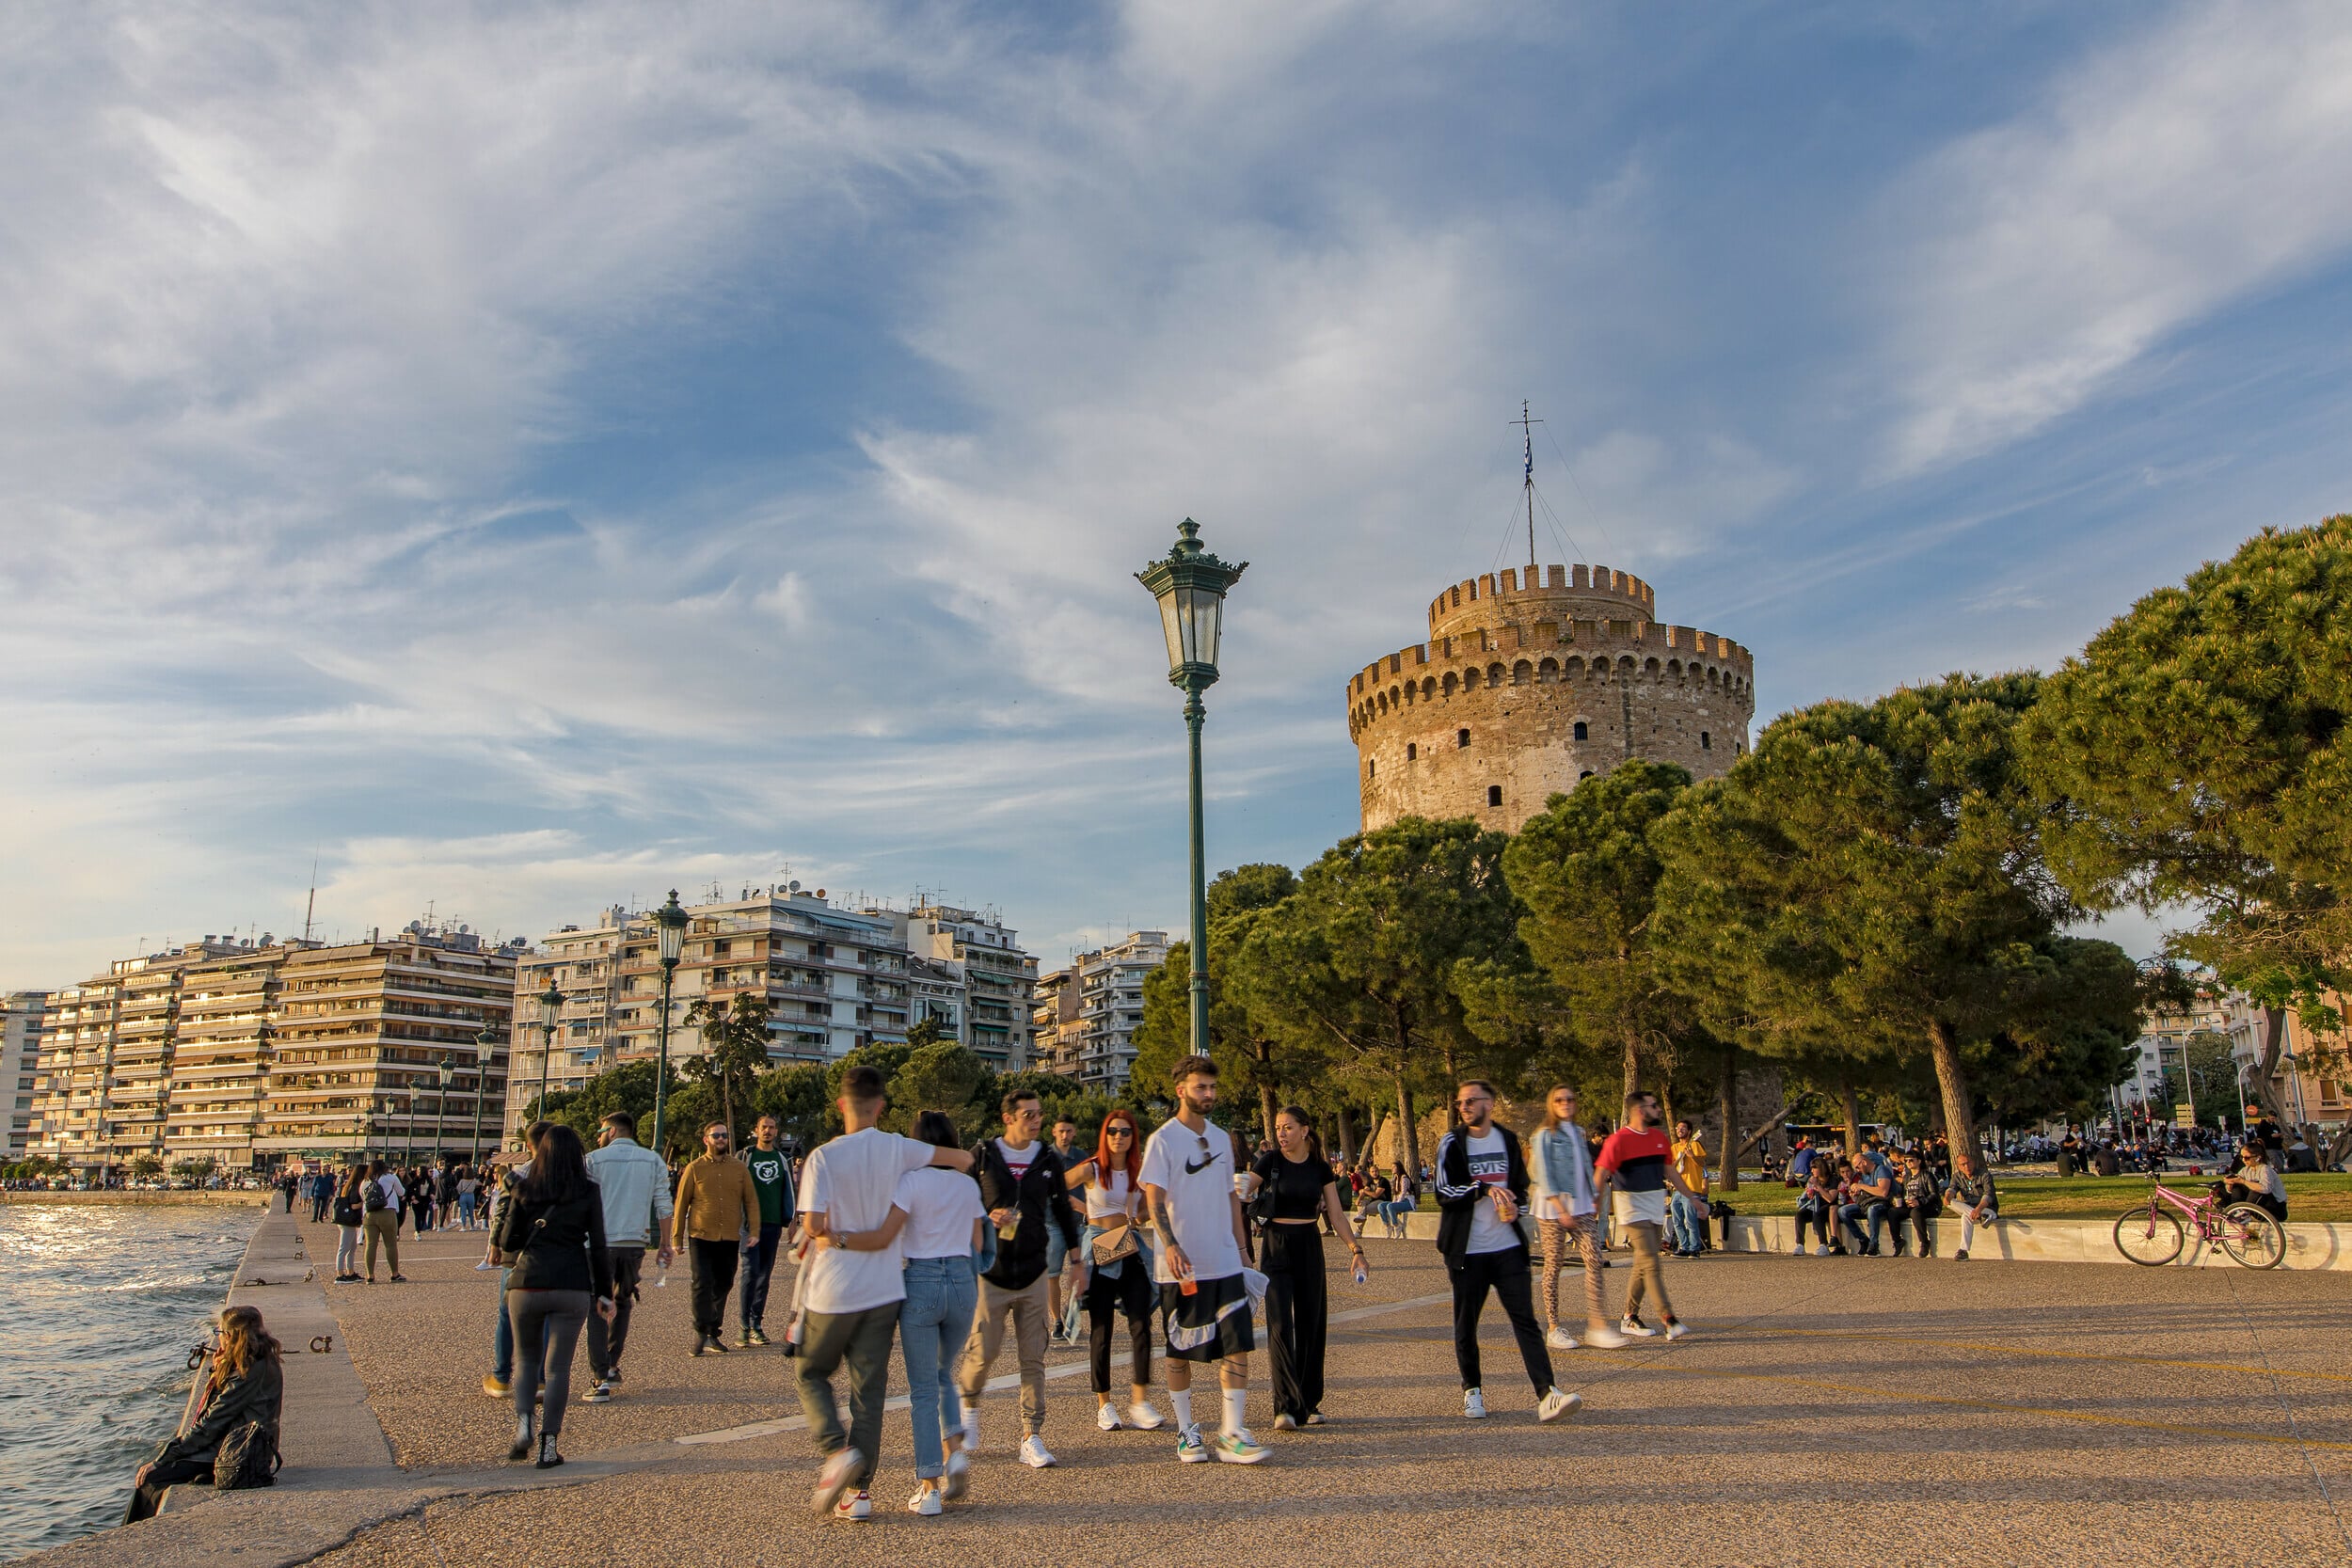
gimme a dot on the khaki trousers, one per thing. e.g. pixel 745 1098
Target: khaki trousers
pixel 1649 1273
pixel 384 1225
pixel 1027 1310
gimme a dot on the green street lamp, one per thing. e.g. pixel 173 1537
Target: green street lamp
pixel 1190 584
pixel 447 1068
pixel 550 1000
pixel 670 922
pixel 482 1044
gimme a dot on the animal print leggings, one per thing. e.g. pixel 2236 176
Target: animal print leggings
pixel 1557 1235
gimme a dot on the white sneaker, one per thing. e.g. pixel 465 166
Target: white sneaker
pixel 924 1501
pixel 1189 1447
pixel 1474 1403
pixel 1034 1454
pixel 1107 1416
pixel 1555 1404
pixel 1676 1330
pixel 972 1427
pixel 1638 1329
pixel 959 1476
pixel 1560 1339
pixel 1605 1338
pixel 1145 1418
pixel 833 1479
pixel 854 1505
pixel 1283 1423
pixel 1821 1251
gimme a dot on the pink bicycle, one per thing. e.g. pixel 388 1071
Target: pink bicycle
pixel 2151 1234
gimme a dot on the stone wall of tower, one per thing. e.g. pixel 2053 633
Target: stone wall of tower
pixel 1482 720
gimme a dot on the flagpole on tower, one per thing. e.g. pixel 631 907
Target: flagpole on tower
pixel 1527 431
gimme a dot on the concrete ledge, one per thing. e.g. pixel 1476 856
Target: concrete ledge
pixel 158 1201
pixel 2310 1247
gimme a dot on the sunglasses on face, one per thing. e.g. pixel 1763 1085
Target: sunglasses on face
pixel 1118 1132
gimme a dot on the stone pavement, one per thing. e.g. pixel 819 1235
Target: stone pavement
pixel 1904 1410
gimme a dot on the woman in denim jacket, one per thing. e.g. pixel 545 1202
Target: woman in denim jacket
pixel 1561 1169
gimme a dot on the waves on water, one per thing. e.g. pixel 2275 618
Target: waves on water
pixel 103 1304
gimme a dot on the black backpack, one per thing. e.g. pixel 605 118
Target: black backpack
pixel 374 1195
pixel 246 1458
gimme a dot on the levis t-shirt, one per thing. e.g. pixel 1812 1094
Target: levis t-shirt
pixel 1490 1166
pixel 1196 1170
pixel 1635 1164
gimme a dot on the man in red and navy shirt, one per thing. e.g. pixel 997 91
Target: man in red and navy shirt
pixel 1634 1171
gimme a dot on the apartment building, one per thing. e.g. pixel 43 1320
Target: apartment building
pixel 1110 1006
pixel 834 979
pixel 999 977
pixel 2313 1076
pixel 1057 1033
pixel 248 1054
pixel 2163 1045
pixel 20 1070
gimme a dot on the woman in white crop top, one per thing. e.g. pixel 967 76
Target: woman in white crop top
pixel 1123 1284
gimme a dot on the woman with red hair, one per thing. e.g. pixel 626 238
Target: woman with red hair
pixel 1119 1271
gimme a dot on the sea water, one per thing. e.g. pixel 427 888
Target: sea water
pixel 99 1306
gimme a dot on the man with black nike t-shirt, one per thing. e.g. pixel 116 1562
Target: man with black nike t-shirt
pixel 1481 1187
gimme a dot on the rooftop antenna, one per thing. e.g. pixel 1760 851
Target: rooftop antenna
pixel 1527 436
pixel 311 908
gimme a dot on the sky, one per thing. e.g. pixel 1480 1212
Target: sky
pixel 523 457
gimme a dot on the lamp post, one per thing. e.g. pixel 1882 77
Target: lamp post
pixel 550 1000
pixel 1190 584
pixel 481 1087
pixel 670 923
pixel 447 1068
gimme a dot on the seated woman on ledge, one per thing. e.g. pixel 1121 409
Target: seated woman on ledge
pixel 2257 1181
pixel 245 1386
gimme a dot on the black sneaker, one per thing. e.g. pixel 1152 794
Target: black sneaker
pixel 759 1336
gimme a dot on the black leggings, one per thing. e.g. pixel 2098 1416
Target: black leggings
pixel 1298 1306
pixel 1130 1294
pixel 147 1499
pixel 1815 1216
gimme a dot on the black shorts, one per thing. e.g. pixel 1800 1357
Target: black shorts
pixel 1211 1323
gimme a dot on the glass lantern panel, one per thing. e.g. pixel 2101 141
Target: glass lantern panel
pixel 1199 611
pixel 1168 627
pixel 673 937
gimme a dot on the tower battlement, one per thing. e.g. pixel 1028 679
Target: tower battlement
pixel 1533 679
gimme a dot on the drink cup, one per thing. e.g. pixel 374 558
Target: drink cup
pixel 1245 1182
pixel 1189 1285
pixel 1013 1223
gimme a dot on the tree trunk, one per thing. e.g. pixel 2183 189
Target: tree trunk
pixel 1728 1146
pixel 1632 1066
pixel 1347 1135
pixel 1960 1119
pixel 1851 1109
pixel 2274 1041
pixel 1407 1137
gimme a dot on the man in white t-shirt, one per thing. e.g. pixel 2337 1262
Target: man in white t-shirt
pixel 849 1300
pixel 1481 1187
pixel 1188 1174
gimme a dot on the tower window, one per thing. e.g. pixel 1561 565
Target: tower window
pixel 1411 751
pixel 1493 794
pixel 1705 744
pixel 1369 769
pixel 1586 774
pixel 1584 732
pixel 1461 739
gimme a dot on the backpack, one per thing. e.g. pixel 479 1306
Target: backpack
pixel 372 1196
pixel 348 1211
pixel 246 1458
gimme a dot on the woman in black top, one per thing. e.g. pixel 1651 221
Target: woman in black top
pixel 1297 1187
pixel 551 1240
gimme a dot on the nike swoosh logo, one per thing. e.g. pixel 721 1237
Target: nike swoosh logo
pixel 1195 1167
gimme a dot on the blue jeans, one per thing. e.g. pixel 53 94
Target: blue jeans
pixel 503 1342
pixel 1690 1224
pixel 933 1322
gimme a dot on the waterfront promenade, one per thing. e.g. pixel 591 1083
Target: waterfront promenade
pixel 1893 1410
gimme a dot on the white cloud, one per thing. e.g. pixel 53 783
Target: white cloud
pixel 2163 179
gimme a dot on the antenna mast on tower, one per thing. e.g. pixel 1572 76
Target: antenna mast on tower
pixel 1527 433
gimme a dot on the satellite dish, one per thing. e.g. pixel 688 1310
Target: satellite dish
pixel 794 886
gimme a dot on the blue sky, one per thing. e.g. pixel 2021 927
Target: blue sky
pixel 530 456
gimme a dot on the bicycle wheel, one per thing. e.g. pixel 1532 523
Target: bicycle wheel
pixel 2148 1235
pixel 2252 1236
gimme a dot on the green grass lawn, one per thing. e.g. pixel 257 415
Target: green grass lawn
pixel 2309 1197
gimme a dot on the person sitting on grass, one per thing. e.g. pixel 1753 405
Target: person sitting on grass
pixel 245 1386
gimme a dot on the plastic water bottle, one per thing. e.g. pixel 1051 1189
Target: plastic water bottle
pixel 662 1274
pixel 1361 1275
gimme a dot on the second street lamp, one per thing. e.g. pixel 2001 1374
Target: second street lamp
pixel 1190 584
pixel 550 1000
pixel 447 1068
pixel 481 1087
pixel 670 921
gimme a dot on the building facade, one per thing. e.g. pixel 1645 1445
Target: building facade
pixel 999 977
pixel 21 1014
pixel 1109 983
pixel 225 1054
pixel 1057 1031
pixel 2313 1078
pixel 2163 1045
pixel 1532 681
